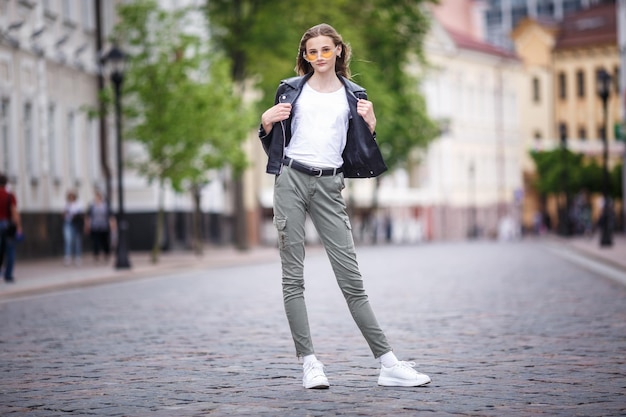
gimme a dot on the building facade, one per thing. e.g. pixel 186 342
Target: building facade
pixel 50 77
pixel 470 177
pixel 502 16
pixel 562 60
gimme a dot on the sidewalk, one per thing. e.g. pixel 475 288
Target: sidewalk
pixel 40 276
pixel 590 247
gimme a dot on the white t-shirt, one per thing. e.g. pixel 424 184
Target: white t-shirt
pixel 72 209
pixel 319 128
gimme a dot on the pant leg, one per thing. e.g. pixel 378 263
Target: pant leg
pixel 329 215
pixel 3 237
pixel 95 242
pixel 67 239
pixel 10 258
pixel 106 243
pixel 290 197
pixel 77 238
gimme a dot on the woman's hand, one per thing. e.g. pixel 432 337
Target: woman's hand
pixel 365 109
pixel 278 113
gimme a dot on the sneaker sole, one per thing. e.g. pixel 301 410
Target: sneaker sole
pixel 392 382
pixel 319 386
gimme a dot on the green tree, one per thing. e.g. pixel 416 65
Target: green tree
pixel 178 104
pixel 553 167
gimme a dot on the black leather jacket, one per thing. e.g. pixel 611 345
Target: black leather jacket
pixel 361 156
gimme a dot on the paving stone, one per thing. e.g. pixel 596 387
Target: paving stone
pixel 503 329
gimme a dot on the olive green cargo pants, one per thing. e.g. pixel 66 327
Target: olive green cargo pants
pixel 295 194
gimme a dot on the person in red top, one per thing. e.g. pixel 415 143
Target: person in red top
pixel 8 213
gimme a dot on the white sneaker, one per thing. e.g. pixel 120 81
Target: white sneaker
pixel 314 376
pixel 402 374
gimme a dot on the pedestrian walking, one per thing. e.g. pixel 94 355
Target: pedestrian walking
pixel 98 223
pixel 321 130
pixel 73 228
pixel 10 229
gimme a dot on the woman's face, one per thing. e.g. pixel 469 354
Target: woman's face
pixel 321 52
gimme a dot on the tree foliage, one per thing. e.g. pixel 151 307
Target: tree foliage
pixel 558 167
pixel 178 105
pixel 261 38
pixel 179 102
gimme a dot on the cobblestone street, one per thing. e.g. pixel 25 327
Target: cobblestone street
pixel 503 329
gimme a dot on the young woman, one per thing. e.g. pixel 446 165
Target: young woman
pixel 73 224
pixel 320 130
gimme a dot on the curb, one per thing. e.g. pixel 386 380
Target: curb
pixel 165 267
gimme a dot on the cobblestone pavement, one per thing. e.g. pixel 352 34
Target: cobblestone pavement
pixel 502 329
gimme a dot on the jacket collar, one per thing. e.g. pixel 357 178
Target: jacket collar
pixel 298 82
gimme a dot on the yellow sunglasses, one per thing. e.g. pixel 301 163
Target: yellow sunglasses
pixel 325 53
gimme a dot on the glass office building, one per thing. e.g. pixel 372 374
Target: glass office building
pixel 501 16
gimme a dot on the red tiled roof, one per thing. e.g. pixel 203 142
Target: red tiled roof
pixel 594 26
pixel 464 41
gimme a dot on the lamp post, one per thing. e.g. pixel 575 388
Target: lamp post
pixel 604 91
pixel 472 232
pixel 564 221
pixel 115 60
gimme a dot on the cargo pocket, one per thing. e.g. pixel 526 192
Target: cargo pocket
pixel 341 184
pixel 349 238
pixel 281 223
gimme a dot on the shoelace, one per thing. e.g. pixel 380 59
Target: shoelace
pixel 315 369
pixel 406 364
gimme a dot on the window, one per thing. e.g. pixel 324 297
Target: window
pixel 52 143
pixel 580 83
pixel 616 76
pixel 94 150
pixel 494 17
pixel 48 5
pixel 570 6
pixel 601 132
pixel 29 142
pixel 546 8
pixel 518 12
pixel 68 10
pixel 582 133
pixel 562 86
pixel 536 90
pixel 5 117
pixel 88 15
pixel 563 133
pixel 72 146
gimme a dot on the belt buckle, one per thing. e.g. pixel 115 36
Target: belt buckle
pixel 313 169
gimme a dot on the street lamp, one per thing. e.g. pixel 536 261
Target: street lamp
pixel 115 60
pixel 472 232
pixel 604 91
pixel 564 220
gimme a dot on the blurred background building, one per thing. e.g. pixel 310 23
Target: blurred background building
pixel 505 77
pixel 50 78
pixel 49 73
pixel 561 104
pixel 502 16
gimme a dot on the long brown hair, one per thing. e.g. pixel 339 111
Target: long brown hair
pixel 341 62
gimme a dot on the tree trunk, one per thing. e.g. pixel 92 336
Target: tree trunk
pixel 156 247
pixel 195 220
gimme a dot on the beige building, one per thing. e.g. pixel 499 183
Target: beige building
pixel 470 178
pixel 559 95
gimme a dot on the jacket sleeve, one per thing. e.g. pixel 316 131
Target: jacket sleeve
pixel 266 138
